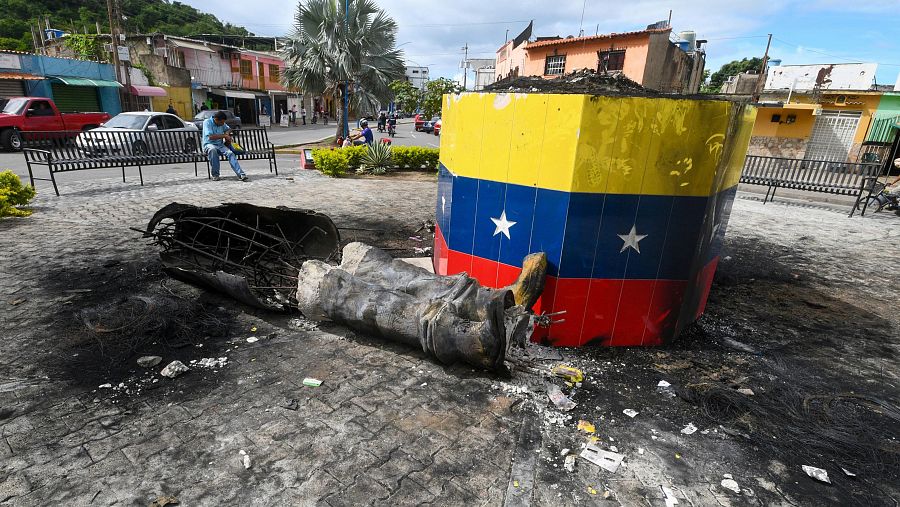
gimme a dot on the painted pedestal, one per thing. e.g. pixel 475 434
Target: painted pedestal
pixel 628 196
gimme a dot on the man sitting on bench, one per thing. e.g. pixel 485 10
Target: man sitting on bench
pixel 215 134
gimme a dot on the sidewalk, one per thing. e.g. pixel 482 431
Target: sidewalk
pixel 801 295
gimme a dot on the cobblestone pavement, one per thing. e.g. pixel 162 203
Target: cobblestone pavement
pixel 386 427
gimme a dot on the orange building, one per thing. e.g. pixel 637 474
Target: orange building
pixel 647 57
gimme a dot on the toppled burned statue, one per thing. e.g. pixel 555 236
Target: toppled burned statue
pixel 452 318
pixel 277 259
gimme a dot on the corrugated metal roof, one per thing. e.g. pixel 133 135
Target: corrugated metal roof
pixel 595 37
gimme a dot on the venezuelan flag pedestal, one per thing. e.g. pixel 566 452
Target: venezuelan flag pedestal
pixel 628 196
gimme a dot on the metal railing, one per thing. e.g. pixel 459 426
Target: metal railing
pixel 832 177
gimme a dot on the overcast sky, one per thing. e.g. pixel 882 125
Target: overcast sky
pixel 433 32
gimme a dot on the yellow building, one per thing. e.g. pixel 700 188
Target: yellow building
pixel 830 125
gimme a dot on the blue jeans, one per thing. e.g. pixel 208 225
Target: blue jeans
pixel 212 153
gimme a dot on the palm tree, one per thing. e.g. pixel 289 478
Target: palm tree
pixel 328 50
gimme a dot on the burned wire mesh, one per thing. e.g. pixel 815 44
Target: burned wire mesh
pixel 251 253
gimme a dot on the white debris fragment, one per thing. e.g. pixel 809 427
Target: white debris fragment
pixel 174 369
pixel 245 459
pixel 641 451
pixel 559 399
pixel 729 483
pixel 211 362
pixel 748 392
pixel 606 460
pixel 570 463
pixel 105 386
pixel 848 473
pixel 663 383
pixel 817 473
pixel 565 452
pixel 148 361
pixel 669 496
pixel 252 339
pixel 630 412
pixel 690 429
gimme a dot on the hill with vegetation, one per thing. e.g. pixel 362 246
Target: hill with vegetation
pixel 78 16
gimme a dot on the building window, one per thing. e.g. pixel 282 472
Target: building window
pixel 246 68
pixel 274 73
pixel 611 60
pixel 555 65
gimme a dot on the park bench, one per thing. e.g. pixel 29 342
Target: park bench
pixel 830 177
pixel 77 151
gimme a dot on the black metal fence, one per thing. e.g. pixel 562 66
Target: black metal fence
pixel 843 178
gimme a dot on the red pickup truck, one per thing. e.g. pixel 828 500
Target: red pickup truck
pixel 29 114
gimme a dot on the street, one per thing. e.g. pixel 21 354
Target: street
pixel 278 136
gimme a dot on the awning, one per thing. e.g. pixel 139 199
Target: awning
pixel 191 45
pixel 18 75
pixel 239 95
pixel 147 91
pixel 80 81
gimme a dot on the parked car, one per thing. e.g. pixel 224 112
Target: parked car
pixel 418 121
pixel 131 134
pixel 32 114
pixel 230 119
pixel 428 126
pixel 437 127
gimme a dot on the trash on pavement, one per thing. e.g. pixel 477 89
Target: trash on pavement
pixel 559 399
pixel 817 473
pixel 162 501
pixel 690 429
pixel 569 373
pixel 570 463
pixel 848 473
pixel 586 426
pixel 748 392
pixel 669 496
pixel 148 361
pixel 245 459
pixel 312 382
pixel 252 339
pixel 630 413
pixel 174 369
pixel 729 483
pixel 606 460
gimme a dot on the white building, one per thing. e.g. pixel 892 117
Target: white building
pixel 417 76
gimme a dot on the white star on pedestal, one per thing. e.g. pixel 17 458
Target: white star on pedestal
pixel 502 224
pixel 631 240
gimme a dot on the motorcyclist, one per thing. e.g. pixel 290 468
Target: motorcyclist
pixel 392 124
pixel 382 119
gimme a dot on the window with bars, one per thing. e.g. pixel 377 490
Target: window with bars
pixel 246 68
pixel 274 73
pixel 555 65
pixel 611 60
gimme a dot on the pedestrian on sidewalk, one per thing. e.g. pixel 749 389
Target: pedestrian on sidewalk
pixel 294 115
pixel 215 134
pixel 303 114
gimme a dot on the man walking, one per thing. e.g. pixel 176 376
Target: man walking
pixel 303 114
pixel 215 134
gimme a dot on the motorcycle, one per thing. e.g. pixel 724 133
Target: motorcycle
pixel 880 199
pixel 392 129
pixel 381 127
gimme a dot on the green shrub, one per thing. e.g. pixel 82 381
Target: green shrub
pixel 331 162
pixel 354 155
pixel 376 159
pixel 416 157
pixel 12 194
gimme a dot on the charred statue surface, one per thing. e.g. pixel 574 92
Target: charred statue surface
pixel 252 253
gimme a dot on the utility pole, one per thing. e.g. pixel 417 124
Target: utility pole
pixel 762 72
pixel 465 64
pixel 114 35
pixel 346 83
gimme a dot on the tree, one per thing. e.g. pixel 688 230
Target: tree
pixel 433 95
pixel 406 96
pixel 324 53
pixel 732 68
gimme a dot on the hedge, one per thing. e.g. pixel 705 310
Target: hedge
pixel 13 194
pixel 335 162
